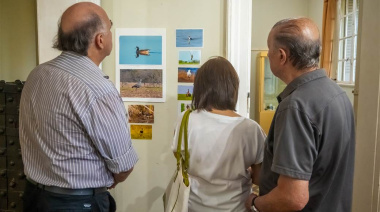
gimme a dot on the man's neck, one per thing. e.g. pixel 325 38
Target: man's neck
pixel 294 73
pixel 95 56
pixel 96 60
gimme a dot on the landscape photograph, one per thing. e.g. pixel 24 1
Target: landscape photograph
pixel 141 83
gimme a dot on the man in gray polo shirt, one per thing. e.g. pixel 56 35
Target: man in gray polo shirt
pixel 309 152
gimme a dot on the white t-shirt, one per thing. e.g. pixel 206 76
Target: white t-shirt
pixel 221 150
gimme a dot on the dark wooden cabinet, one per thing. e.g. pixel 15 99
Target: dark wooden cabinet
pixel 3 199
pixel 15 199
pixel 3 179
pixel 12 177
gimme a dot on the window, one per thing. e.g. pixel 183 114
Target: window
pixel 347 38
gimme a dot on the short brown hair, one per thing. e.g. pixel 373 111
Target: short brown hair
pixel 216 85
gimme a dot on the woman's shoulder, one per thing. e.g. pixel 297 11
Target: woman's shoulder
pixel 251 126
pixel 251 123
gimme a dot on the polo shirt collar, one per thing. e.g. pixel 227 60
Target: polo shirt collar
pixel 304 78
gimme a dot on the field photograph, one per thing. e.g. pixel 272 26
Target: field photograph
pixel 189 57
pixel 141 83
pixel 185 92
pixel 141 113
pixel 143 132
pixel 186 74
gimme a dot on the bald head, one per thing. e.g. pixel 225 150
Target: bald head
pixel 80 14
pixel 78 26
pixel 300 27
pixel 300 38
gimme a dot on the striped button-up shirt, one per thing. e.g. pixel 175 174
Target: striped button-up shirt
pixel 74 131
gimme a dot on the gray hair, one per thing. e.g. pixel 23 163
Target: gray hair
pixel 304 52
pixel 79 39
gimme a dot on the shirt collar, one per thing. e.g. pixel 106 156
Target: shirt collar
pixel 86 60
pixel 304 78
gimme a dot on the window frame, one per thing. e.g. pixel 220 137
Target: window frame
pixel 340 42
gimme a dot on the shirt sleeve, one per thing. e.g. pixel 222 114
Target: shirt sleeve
pixel 107 125
pixel 254 138
pixel 294 150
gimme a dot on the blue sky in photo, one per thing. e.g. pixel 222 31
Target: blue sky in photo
pixel 182 89
pixel 189 38
pixel 186 55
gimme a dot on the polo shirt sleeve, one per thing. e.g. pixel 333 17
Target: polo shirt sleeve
pixel 107 125
pixel 294 150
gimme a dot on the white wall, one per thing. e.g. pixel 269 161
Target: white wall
pixel 348 89
pixel 48 14
pixel 143 190
pixel 315 11
pixel 367 159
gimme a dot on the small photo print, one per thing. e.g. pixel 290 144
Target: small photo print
pixel 140 50
pixel 143 132
pixel 192 57
pixel 182 106
pixel 185 92
pixel 186 74
pixel 141 113
pixel 141 84
pixel 189 38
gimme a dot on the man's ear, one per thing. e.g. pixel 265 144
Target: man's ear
pixel 99 41
pixel 283 56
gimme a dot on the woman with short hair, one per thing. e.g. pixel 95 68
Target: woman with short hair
pixel 222 144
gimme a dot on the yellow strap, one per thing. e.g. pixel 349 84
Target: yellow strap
pixel 184 161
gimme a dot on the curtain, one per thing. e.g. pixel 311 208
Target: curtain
pixel 328 28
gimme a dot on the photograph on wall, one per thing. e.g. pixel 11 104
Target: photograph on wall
pixel 141 113
pixel 188 57
pixel 185 92
pixel 143 132
pixel 141 64
pixel 189 38
pixel 186 74
pixel 140 50
pixel 183 105
pixel 141 84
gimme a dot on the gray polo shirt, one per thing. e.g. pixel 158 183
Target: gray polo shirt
pixel 312 138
